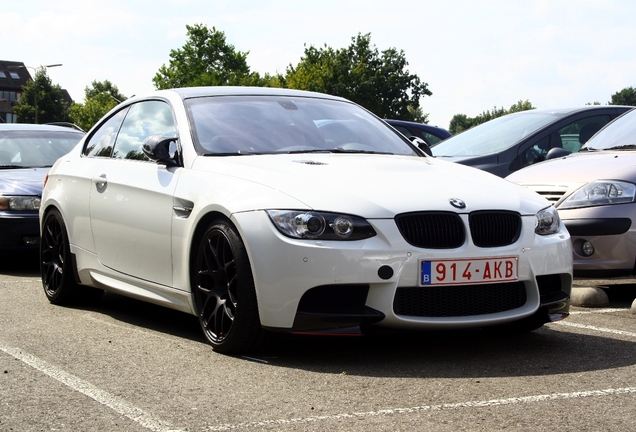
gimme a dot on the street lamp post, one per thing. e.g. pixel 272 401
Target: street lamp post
pixel 35 83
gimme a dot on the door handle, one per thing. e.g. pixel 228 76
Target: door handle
pixel 100 180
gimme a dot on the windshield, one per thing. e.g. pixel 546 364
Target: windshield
pixel 233 125
pixel 495 135
pixel 29 149
pixel 621 133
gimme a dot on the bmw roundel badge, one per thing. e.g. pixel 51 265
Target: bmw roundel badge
pixel 457 203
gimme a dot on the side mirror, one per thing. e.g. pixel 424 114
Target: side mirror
pixel 157 148
pixel 557 152
pixel 423 145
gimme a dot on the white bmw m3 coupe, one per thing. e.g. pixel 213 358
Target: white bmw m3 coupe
pixel 264 210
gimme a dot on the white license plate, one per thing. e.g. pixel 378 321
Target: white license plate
pixel 469 271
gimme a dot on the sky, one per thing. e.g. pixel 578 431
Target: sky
pixel 473 54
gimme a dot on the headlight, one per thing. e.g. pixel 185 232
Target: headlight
pixel 601 192
pixel 320 225
pixel 19 203
pixel 547 222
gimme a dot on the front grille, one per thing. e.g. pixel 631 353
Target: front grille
pixel 459 300
pixel 445 230
pixel 494 228
pixel 433 230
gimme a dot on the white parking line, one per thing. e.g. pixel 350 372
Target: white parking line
pixel 111 401
pixel 595 311
pixel 470 404
pixel 594 328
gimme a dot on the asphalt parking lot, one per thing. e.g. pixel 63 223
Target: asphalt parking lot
pixel 123 365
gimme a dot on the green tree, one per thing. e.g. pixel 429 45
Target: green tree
pixel 379 81
pixel 100 98
pixel 207 59
pixel 41 101
pixel 627 96
pixel 417 114
pixel 461 122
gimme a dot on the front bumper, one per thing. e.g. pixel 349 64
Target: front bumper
pixel 20 232
pixel 360 281
pixel 612 233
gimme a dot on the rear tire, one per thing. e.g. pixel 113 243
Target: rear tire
pixel 224 292
pixel 56 267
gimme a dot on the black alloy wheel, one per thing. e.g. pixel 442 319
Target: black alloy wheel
pixel 56 266
pixel 223 289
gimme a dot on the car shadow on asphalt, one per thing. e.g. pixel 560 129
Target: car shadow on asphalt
pixel 474 353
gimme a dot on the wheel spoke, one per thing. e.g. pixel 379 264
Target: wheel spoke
pixel 215 285
pixel 52 256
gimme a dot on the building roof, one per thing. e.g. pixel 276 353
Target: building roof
pixel 13 75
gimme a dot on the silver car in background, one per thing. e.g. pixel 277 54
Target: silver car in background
pixel 594 191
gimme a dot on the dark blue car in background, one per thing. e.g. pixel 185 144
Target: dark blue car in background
pixel 27 151
pixel 432 135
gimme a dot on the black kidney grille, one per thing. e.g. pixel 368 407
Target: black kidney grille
pixel 433 230
pixel 494 228
pixel 459 300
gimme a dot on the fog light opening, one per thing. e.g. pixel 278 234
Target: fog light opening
pixel 587 248
pixel 385 272
pixel 31 240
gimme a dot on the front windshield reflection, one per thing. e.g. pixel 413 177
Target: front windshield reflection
pixel 238 125
pixel 32 149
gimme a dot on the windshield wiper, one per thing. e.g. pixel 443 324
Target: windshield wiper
pixel 338 150
pixel 622 147
pixel 11 167
pixel 309 151
pixel 341 150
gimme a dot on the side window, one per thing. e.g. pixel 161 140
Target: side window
pixel 430 138
pixel 570 137
pixel 404 131
pixel 144 119
pixel 574 135
pixel 103 140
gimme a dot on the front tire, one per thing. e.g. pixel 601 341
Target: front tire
pixel 223 290
pixel 56 266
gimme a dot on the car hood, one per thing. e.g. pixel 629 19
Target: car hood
pixel 579 168
pixel 28 181
pixel 375 185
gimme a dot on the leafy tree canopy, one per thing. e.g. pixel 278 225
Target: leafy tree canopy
pixel 41 101
pixel 207 59
pixel 379 81
pixel 627 96
pixel 100 98
pixel 461 122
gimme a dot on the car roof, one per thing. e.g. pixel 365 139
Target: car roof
pixel 415 124
pixel 571 110
pixel 35 127
pixel 193 92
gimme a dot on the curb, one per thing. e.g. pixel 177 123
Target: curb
pixel 591 297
